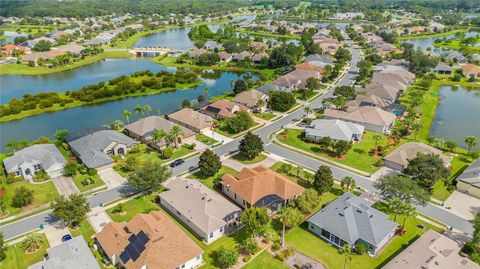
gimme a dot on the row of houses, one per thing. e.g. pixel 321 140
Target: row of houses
pixel 383 48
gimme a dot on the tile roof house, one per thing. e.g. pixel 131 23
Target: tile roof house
pixel 8 49
pixel 225 57
pixel 46 55
pixel 71 48
pixel 191 119
pixel 242 56
pixel 373 118
pixel 308 66
pixel 28 161
pixel 399 158
pixel 431 250
pixel 258 57
pixel 150 240
pixel 318 60
pixel 143 130
pixel 259 186
pixel 251 100
pixel 258 46
pixel 369 100
pixel 296 79
pixel 351 220
pixel 223 109
pixel 196 52
pixel 470 70
pixel 95 146
pixel 469 180
pixel 266 88
pixel 384 91
pixel 443 69
pixel 201 209
pixel 335 129
pixel 72 254
pixel 210 45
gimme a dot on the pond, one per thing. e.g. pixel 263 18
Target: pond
pixel 457 115
pixel 105 113
pixel 425 43
pixel 15 86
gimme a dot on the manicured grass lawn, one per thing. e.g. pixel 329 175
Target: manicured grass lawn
pixel 205 139
pixel 239 157
pixel 182 151
pixel 42 194
pixel 440 191
pixel 309 244
pixel 18 259
pixel 358 157
pixel 265 260
pixel 456 45
pixel 79 178
pixel 223 130
pixel 85 229
pixel 265 116
pixel 142 204
pixel 23 69
pixel 212 181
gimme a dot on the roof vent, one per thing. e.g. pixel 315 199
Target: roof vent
pixel 203 198
pixel 340 214
pixel 359 211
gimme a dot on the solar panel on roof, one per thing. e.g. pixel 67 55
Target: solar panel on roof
pixel 132 252
pixel 124 257
pixel 143 237
pixel 138 245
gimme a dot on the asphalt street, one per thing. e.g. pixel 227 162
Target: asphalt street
pixel 28 224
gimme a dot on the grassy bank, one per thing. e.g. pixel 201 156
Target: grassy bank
pixel 456 45
pixel 76 103
pixel 431 35
pixel 265 74
pixel 267 34
pixel 23 69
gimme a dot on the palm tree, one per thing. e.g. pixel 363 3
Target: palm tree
pixel 158 135
pixel 408 211
pixel 416 127
pixel 377 139
pixel 260 104
pixel 127 115
pixel 347 251
pixel 308 110
pixel 176 133
pixel 138 110
pixel 117 125
pixel 148 109
pixel 32 243
pixel 285 217
pixel 471 142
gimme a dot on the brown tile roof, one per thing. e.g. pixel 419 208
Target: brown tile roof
pixel 225 108
pixel 311 67
pixel 254 184
pixel 192 118
pixel 168 246
pixel 364 114
pixel 224 55
pixel 410 150
pixel 470 69
pixel 249 98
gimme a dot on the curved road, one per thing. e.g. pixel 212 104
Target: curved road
pixel 28 224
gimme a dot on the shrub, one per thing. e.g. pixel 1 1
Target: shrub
pixel 11 178
pixel 280 256
pixel 70 168
pixel 92 172
pixel 249 246
pixel 41 176
pixel 225 258
pixel 22 197
pixel 276 247
pixel 88 181
pixel 167 153
pixel 360 249
pixel 287 252
pixel 246 258
pixel 379 163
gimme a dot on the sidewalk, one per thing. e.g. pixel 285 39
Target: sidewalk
pixel 269 161
pixel 217 136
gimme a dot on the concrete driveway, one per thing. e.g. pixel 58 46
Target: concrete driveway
pixel 463 205
pixel 111 178
pixel 55 232
pixel 65 186
pixel 98 220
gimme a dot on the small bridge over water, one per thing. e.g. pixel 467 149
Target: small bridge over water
pixel 149 51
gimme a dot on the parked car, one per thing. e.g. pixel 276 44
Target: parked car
pixel 66 237
pixel 176 162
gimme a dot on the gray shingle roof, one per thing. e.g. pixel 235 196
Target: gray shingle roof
pixel 46 154
pixel 89 148
pixel 471 175
pixel 335 129
pixel 72 254
pixel 351 218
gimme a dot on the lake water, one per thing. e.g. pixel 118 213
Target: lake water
pixel 425 43
pixel 457 115
pixel 105 113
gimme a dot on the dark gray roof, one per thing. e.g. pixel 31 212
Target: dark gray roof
pixel 72 254
pixel 89 148
pixel 266 88
pixel 351 218
pixel 46 154
pixel 443 67
pixel 319 58
pixel 471 175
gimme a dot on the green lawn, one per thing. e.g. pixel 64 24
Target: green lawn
pixel 456 45
pixel 309 244
pixel 358 157
pixel 142 204
pixel 42 194
pixel 85 229
pixel 212 181
pixel 440 191
pixel 205 139
pixel 265 116
pixel 182 151
pixel 79 178
pixel 223 130
pixel 18 259
pixel 265 260
pixel 240 158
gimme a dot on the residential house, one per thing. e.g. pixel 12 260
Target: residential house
pixel 384 91
pixel 71 48
pixel 258 57
pixel 319 60
pixel 329 45
pixel 296 79
pixel 150 240
pixel 29 161
pixel 347 16
pixel 58 34
pixel 95 146
pixel 443 69
pixel 470 70
pixel 455 56
pixel 432 250
pixel 242 56
pixel 372 118
pixel 45 55
pixel 399 158
pixel 351 220
pixel 72 254
pixel 266 88
pixel 211 45
pixel 376 101
pixel 144 129
pixel 260 187
pixel 258 46
pixel 335 129
pixel 31 43
pixel 311 67
pixel 223 109
pixel 204 211
pixel 196 121
pixel 469 180
pixel 8 49
pixel 196 52
pixel 225 57
pixel 254 100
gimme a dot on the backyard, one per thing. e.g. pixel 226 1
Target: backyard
pixel 265 260
pixel 358 157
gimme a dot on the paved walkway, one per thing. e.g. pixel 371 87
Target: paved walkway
pixel 98 220
pixel 217 136
pixel 298 259
pixel 65 186
pixel 111 178
pixel 55 232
